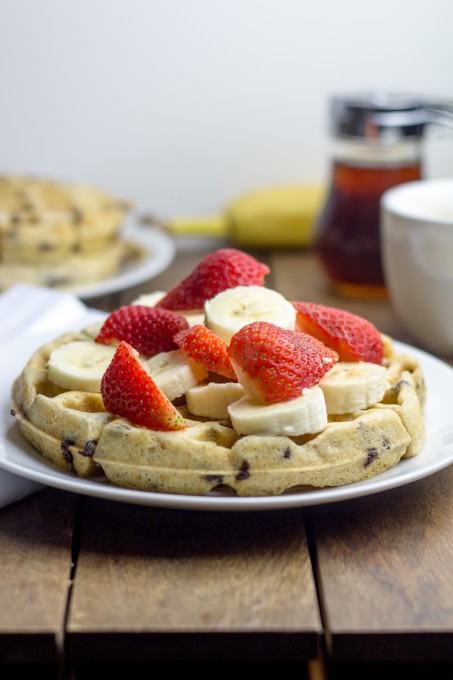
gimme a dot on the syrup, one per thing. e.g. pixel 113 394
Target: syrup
pixel 348 231
pixel 377 145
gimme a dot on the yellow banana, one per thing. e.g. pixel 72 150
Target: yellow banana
pixel 278 217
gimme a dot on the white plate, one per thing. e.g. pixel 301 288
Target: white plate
pixel 159 250
pixel 18 457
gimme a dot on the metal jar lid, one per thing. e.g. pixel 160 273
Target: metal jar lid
pixel 378 116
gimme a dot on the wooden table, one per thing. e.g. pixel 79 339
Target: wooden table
pixel 354 587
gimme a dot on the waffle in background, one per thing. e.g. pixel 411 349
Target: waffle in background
pixel 59 234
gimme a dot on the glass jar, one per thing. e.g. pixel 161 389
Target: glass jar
pixel 377 144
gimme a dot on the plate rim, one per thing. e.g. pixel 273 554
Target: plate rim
pixel 160 250
pixel 101 489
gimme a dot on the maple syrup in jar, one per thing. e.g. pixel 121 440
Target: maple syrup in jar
pixel 377 144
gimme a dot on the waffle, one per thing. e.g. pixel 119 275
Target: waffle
pixel 73 431
pixel 59 234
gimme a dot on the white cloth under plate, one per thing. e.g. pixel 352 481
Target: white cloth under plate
pixel 27 310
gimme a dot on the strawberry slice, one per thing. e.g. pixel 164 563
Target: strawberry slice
pixel 274 364
pixel 222 269
pixel 147 329
pixel 128 391
pixel 351 336
pixel 207 349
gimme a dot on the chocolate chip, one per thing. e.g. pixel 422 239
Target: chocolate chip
pixel 77 215
pixel 67 455
pixel 54 281
pixel 217 479
pixel 372 454
pixel 287 452
pixel 89 448
pixel 400 384
pixel 244 471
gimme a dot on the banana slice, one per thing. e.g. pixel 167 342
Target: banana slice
pixel 304 415
pixel 352 386
pixel 149 299
pixel 230 310
pixel 93 329
pixel 80 365
pixel 193 316
pixel 212 400
pixel 175 373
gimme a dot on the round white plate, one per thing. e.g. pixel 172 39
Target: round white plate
pixel 159 250
pixel 18 457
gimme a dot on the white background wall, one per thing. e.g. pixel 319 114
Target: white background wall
pixel 181 105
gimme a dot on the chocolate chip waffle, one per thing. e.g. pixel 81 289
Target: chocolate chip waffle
pixel 59 234
pixel 73 430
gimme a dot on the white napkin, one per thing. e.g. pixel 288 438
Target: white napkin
pixel 27 310
pixel 13 488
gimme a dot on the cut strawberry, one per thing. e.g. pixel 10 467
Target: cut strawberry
pixel 274 364
pixel 351 336
pixel 128 391
pixel 147 329
pixel 207 349
pixel 222 269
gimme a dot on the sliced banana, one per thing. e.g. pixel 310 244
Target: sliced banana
pixel 304 415
pixel 212 400
pixel 80 365
pixel 149 299
pixel 230 310
pixel 352 386
pixel 193 316
pixel 175 373
pixel 93 329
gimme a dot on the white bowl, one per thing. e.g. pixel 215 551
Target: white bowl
pixel 417 256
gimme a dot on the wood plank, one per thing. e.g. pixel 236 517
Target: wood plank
pixel 35 566
pixel 157 582
pixel 384 567
pixel 352 537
